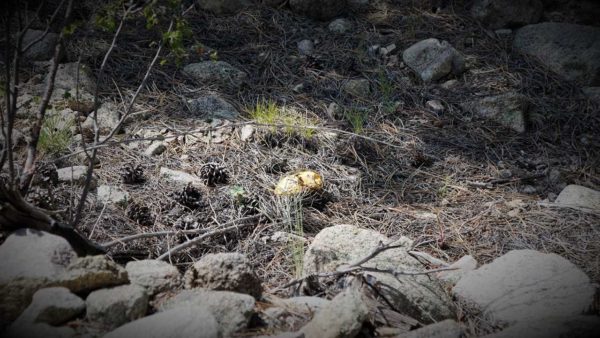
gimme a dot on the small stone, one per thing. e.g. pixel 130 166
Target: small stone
pixel 298 88
pixel 306 47
pixel 112 195
pixel 526 285
pixel 342 317
pixel 579 197
pixel 52 306
pixel 212 107
pixel 247 132
pixel 108 118
pixel 529 189
pixel 224 271
pixel 445 329
pixel 286 237
pixel 155 148
pixel 509 109
pixel 72 174
pixel 232 311
pixel 89 273
pixel 450 84
pixel 216 72
pixel 435 105
pixel 71 78
pixel 117 306
pixel 193 321
pixel 180 177
pixel 433 60
pixel 155 276
pixel 388 49
pixel 340 26
pixel 505 173
pixel 357 87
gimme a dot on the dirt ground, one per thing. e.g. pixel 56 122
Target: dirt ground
pixel 456 183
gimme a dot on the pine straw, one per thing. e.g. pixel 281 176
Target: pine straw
pixel 428 186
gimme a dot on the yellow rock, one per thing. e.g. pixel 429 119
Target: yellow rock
pixel 306 180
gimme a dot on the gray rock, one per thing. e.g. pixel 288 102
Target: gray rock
pixel 224 271
pixel 435 105
pixel 579 197
pixel 72 174
pixel 29 261
pixel 117 306
pixel 445 329
pixel 306 47
pixel 342 317
pixel 220 7
pixel 340 26
pixel 420 296
pixel 215 72
pixel 108 119
pixel 179 177
pixel 357 87
pixel 553 327
pixel 155 276
pixel 572 51
pixel 231 310
pixel 52 306
pixel 109 194
pixel 155 148
pixel 318 9
pixel 41 50
pixel 246 132
pixel 507 13
pixel 212 106
pixel 89 273
pixel 462 266
pixel 306 303
pixel 526 285
pixel 39 330
pixel 450 84
pixel 73 76
pixel 509 109
pixel 432 59
pixel 175 323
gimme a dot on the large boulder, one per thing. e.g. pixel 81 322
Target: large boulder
pixel 572 51
pixel 192 321
pixel 224 271
pixel 52 306
pixel 223 6
pixel 507 13
pixel 526 285
pixel 509 109
pixel 579 197
pixel 553 327
pixel 342 317
pixel 232 311
pixel 29 261
pixel 117 306
pixel 318 9
pixel 419 296
pixel 155 276
pixel 433 60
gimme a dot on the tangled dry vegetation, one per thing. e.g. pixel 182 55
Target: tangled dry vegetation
pixel 389 162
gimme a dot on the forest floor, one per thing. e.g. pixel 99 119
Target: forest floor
pixel 456 183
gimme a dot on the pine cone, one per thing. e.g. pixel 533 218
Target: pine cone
pixel 190 197
pixel 47 175
pixel 140 214
pixel 213 173
pixel 132 174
